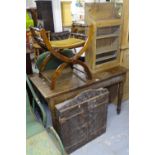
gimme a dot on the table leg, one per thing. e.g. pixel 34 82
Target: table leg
pixel 120 95
pixel 51 106
pixel 36 54
pixel 28 64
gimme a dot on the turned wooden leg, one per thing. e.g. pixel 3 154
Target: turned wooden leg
pixel 87 70
pixel 56 74
pixel 120 95
pixel 28 64
pixel 36 54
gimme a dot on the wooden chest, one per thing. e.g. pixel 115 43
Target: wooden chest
pixel 82 118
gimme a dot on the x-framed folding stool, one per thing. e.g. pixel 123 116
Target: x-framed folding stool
pixel 56 48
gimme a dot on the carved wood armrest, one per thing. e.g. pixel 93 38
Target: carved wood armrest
pixel 48 33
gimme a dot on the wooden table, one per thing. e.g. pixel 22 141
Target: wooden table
pixel 73 82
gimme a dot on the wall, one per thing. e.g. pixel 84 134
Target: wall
pixel 30 3
pixel 57 15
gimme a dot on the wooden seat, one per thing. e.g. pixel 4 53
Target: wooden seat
pixel 56 48
pixel 67 43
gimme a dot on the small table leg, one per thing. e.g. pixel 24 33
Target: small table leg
pixel 120 95
pixel 28 64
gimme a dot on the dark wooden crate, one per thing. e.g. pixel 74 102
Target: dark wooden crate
pixel 82 118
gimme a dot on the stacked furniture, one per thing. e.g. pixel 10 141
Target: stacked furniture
pixel 78 103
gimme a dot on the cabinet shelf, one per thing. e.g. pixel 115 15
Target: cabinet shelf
pixel 106 58
pixel 100 51
pixel 107 36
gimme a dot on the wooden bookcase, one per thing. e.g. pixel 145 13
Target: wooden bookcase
pixel 104 52
pixel 125 45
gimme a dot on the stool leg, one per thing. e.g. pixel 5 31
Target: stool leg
pixel 36 54
pixel 45 62
pixel 87 70
pixel 57 73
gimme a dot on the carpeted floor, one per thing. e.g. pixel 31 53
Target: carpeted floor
pixel 116 139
